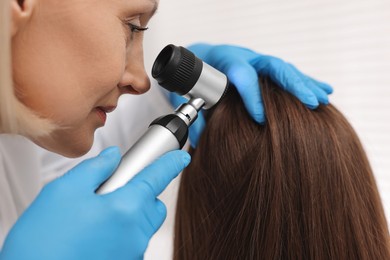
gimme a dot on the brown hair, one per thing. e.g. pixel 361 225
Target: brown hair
pixel 298 187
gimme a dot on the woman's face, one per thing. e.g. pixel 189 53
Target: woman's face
pixel 73 59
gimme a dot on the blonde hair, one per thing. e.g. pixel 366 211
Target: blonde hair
pixel 15 117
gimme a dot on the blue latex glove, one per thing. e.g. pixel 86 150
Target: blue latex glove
pixel 242 67
pixel 68 220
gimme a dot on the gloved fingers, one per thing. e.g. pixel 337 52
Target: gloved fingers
pixel 321 95
pixel 161 210
pixel 150 217
pixel 245 78
pixel 152 180
pixel 92 172
pixel 196 129
pixel 221 56
pixel 156 216
pixel 200 50
pixel 285 76
pixel 324 86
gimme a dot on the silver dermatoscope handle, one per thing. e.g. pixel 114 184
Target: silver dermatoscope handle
pixel 177 70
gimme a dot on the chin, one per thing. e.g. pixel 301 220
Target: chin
pixel 65 147
pixel 74 151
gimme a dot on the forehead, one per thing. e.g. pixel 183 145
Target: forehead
pixel 150 5
pixel 124 7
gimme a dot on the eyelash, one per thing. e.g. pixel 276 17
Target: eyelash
pixel 135 28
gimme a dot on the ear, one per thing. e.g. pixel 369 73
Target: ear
pixel 21 12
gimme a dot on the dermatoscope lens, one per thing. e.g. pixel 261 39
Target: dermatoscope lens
pixel 177 69
pixel 161 62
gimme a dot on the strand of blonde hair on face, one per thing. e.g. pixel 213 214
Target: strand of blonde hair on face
pixel 15 117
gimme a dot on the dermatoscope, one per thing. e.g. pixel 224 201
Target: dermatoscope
pixel 177 70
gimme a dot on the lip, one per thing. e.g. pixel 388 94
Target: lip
pixel 107 109
pixel 102 112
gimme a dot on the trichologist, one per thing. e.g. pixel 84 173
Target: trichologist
pixel 63 67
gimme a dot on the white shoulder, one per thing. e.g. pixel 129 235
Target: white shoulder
pixel 20 179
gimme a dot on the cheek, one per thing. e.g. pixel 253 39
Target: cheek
pixel 100 60
pixel 101 43
pixel 68 66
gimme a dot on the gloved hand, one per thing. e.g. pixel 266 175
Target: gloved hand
pixel 68 220
pixel 242 67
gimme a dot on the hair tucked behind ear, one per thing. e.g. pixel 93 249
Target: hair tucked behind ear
pixel 299 187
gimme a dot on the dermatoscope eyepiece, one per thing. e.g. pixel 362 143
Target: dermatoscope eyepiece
pixel 179 70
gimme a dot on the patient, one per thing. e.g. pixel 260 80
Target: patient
pixel 299 187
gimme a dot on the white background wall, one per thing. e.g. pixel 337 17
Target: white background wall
pixel 344 43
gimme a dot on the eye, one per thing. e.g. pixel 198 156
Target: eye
pixel 136 28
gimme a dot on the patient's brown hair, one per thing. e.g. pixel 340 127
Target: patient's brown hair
pixel 298 187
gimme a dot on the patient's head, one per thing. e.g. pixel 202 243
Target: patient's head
pixel 298 187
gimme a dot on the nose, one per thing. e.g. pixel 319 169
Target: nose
pixel 134 79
